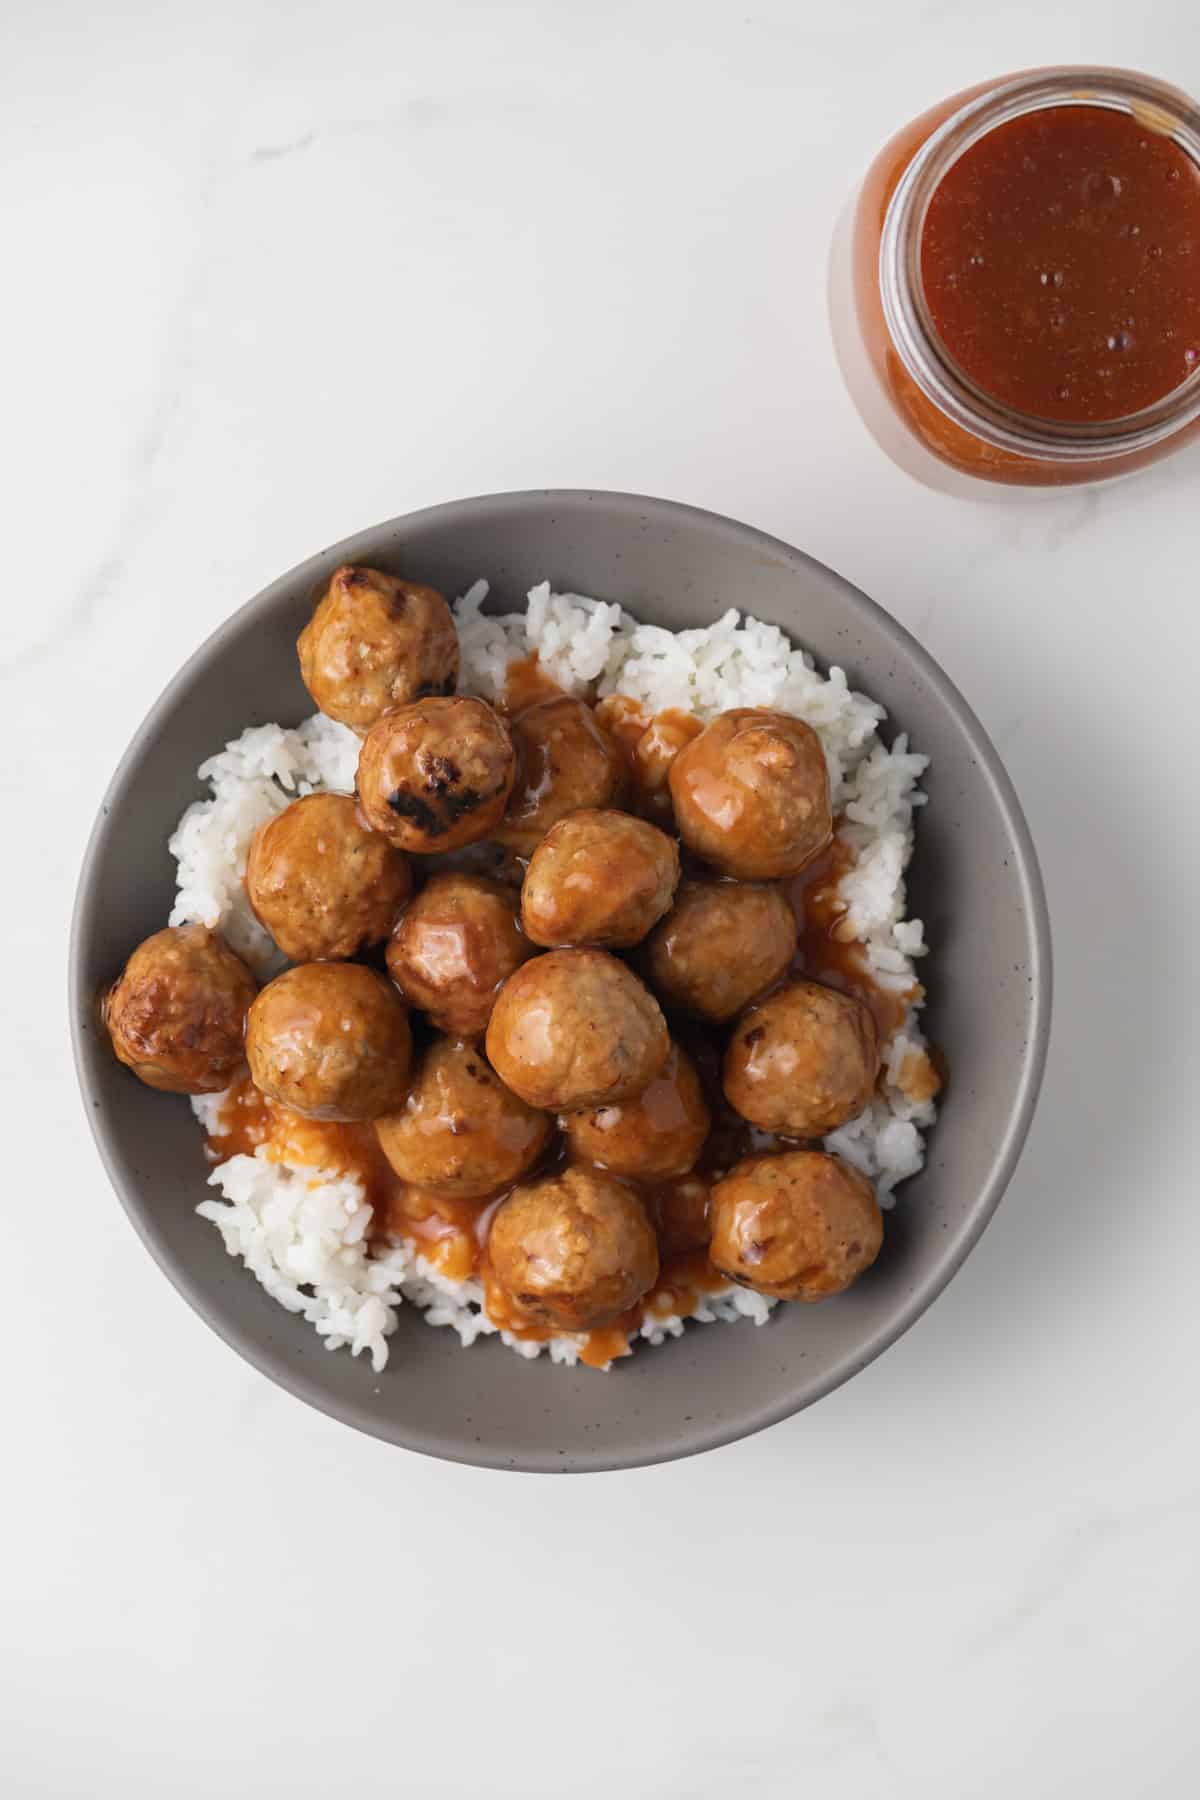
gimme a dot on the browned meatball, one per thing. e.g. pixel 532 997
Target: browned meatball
pixel 436 775
pixel 680 1212
pixel 375 642
pixel 330 1040
pixel 651 744
pixel 722 943
pixel 660 1132
pixel 461 1132
pixel 802 1061
pixel 751 794
pixel 574 1251
pixel 321 883
pixel 576 1028
pixel 176 1014
pixel 599 878
pixel 797 1226
pixel 454 948
pixel 564 761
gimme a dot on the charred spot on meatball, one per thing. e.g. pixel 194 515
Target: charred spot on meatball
pixel 437 774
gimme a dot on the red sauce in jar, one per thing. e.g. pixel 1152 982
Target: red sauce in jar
pixel 1060 260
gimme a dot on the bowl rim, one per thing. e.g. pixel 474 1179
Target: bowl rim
pixel 276 1366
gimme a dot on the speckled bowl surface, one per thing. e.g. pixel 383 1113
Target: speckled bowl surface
pixel 974 880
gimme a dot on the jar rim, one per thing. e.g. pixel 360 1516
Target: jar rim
pixel 1161 108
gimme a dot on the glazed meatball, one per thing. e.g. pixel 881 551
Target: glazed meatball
pixel 722 943
pixel 321 883
pixel 679 1211
pixel 331 1041
pixel 574 1251
pixel 436 775
pixel 176 1014
pixel 598 878
pixel 565 761
pixel 659 1133
pixel 576 1028
pixel 454 948
pixel 461 1133
pixel 797 1226
pixel 803 1061
pixel 375 642
pixel 651 744
pixel 751 794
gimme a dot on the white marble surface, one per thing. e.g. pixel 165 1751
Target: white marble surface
pixel 275 271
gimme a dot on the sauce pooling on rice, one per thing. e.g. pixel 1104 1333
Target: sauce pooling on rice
pixel 450 1234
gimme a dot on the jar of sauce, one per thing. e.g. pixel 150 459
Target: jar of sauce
pixel 1016 294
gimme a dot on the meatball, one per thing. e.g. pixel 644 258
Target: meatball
pixel 722 943
pixel 576 1028
pixel 461 1133
pixel 573 1251
pixel 659 1133
pixel 331 1041
pixel 321 883
pixel 375 642
pixel 653 754
pixel 680 1213
pixel 651 744
pixel 751 794
pixel 599 878
pixel 565 761
pixel 436 775
pixel 803 1061
pixel 176 1014
pixel 454 948
pixel 797 1226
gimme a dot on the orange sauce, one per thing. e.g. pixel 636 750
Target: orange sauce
pixel 450 1234
pixel 249 1121
pixel 682 1282
pixel 624 720
pixel 444 1230
pixel 828 951
pixel 525 683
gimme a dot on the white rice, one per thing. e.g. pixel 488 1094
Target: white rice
pixel 303 1232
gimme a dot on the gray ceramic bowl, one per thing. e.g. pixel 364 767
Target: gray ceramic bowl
pixel 975 881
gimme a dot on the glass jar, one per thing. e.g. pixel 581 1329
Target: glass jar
pixel 921 404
